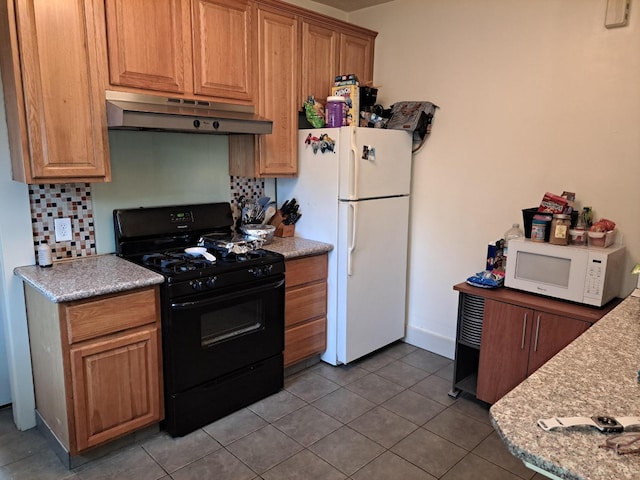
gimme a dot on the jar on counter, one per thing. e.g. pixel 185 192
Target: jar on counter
pixel 45 258
pixel 335 112
pixel 560 229
pixel 539 228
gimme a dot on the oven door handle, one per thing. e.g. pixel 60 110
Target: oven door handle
pixel 216 299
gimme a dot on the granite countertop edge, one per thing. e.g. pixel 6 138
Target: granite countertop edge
pixel 293 247
pixel 85 277
pixel 586 378
pixel 94 275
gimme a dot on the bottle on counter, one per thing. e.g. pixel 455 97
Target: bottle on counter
pixel 45 259
pixel 514 232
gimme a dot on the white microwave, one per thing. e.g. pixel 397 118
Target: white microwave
pixel 591 276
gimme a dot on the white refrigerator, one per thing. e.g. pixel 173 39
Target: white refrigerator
pixel 355 196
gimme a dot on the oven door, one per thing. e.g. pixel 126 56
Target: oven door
pixel 215 333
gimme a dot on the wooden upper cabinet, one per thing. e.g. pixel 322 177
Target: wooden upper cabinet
pixel 319 61
pixel 356 56
pixel 148 43
pixel 278 73
pixel 224 48
pixel 54 95
pixel 183 47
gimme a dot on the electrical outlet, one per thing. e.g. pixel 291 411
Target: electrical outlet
pixel 62 228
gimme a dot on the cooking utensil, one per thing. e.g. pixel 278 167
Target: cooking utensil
pixel 268 214
pixel 197 251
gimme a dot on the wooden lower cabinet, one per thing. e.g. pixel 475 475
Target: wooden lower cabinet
pixel 305 308
pixel 97 365
pixel 504 335
pixel 516 341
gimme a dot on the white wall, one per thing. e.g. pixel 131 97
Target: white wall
pixel 535 96
pixel 16 248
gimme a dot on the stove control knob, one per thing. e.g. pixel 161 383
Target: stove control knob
pixel 196 284
pixel 257 272
pixel 211 281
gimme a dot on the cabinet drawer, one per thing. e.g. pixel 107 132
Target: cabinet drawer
pixel 305 340
pixel 305 270
pixel 305 303
pixel 94 318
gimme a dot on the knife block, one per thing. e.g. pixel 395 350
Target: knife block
pixel 282 230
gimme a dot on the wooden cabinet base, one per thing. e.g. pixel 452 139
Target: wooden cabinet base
pixel 96 381
pixel 520 332
pixel 305 308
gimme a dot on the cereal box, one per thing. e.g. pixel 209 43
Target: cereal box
pixel 351 93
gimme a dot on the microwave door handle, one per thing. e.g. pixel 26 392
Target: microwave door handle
pixel 535 345
pixel 524 330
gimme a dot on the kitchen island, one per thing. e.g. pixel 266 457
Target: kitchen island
pixel 595 375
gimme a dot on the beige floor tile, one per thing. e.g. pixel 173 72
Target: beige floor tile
pixel 383 426
pixel 343 405
pixel 347 450
pixel 264 448
pixel 390 466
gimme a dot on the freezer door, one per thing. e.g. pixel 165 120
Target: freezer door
pixel 372 275
pixel 374 163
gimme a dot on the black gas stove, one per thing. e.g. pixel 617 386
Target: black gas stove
pixel 222 318
pixel 157 238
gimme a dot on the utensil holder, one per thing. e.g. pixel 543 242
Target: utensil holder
pixel 282 230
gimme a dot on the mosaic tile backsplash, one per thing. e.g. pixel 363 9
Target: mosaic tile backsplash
pixel 73 200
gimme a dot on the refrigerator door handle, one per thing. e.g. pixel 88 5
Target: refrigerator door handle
pixel 352 242
pixel 353 167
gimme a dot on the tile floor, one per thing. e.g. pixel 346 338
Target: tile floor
pixel 387 416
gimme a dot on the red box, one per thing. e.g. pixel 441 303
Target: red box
pixel 552 203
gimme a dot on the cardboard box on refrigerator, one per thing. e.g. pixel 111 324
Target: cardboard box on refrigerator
pixel 351 93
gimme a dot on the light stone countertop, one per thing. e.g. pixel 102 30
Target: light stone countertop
pixel 85 277
pixel 94 275
pixel 594 375
pixel 292 247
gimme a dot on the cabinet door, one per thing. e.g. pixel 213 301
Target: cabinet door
pixel 224 48
pixel 279 67
pixel 504 351
pixel 550 334
pixel 356 56
pixel 149 44
pixel 116 385
pixel 63 114
pixel 319 61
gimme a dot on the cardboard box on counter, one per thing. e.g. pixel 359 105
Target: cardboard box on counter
pixel 282 230
pixel 495 255
pixel 351 93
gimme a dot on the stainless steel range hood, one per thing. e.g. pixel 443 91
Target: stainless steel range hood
pixel 133 111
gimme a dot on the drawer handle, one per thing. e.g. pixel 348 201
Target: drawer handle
pixel 535 345
pixel 524 330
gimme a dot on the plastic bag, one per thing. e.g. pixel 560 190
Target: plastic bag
pixel 314 111
pixel 487 279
